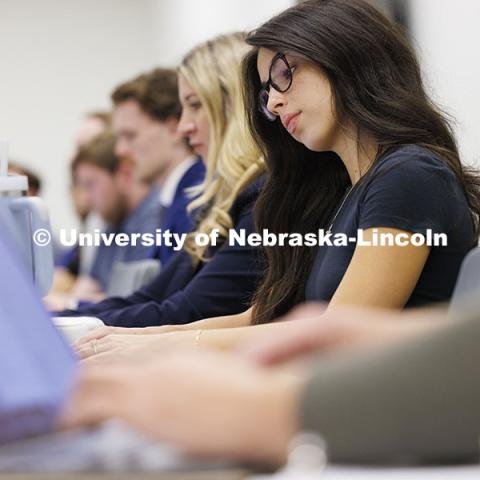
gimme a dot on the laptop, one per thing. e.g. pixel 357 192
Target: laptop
pixel 36 364
pixel 37 369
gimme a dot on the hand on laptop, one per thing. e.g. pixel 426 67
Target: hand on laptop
pixel 206 403
pixel 341 328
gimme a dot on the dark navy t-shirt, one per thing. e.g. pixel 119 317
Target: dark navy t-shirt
pixel 408 189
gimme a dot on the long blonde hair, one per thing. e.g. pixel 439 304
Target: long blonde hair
pixel 234 160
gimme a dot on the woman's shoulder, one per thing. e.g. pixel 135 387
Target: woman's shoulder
pixel 412 189
pixel 412 157
pixel 411 179
pixel 248 196
pixel 412 163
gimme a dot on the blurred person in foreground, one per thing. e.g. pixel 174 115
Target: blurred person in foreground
pixel 383 387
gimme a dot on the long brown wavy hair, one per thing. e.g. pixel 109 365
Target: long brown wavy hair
pixel 377 86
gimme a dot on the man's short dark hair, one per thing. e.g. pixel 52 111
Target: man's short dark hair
pixel 100 151
pixel 156 92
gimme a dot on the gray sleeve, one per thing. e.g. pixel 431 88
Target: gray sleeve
pixel 418 401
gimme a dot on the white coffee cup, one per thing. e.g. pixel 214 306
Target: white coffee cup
pixel 74 328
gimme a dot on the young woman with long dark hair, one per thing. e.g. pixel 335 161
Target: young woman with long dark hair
pixel 353 142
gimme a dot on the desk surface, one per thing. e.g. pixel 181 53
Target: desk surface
pixel 467 472
pixel 471 472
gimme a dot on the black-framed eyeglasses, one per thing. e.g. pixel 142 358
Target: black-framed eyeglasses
pixel 280 77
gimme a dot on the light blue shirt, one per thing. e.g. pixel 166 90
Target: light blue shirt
pixel 36 365
pixel 146 218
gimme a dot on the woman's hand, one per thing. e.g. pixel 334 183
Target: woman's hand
pixel 102 332
pixel 112 348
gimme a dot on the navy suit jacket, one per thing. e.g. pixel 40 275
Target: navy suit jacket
pixel 181 294
pixel 175 217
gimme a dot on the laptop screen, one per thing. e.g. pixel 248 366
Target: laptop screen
pixel 36 364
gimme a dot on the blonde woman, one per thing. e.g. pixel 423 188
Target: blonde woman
pixel 206 281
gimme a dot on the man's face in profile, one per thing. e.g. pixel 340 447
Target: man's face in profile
pixel 147 141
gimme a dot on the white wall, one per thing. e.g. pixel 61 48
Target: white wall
pixel 447 34
pixel 184 23
pixel 61 58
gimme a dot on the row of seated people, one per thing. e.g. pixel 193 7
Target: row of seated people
pixel 318 119
pixel 131 172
